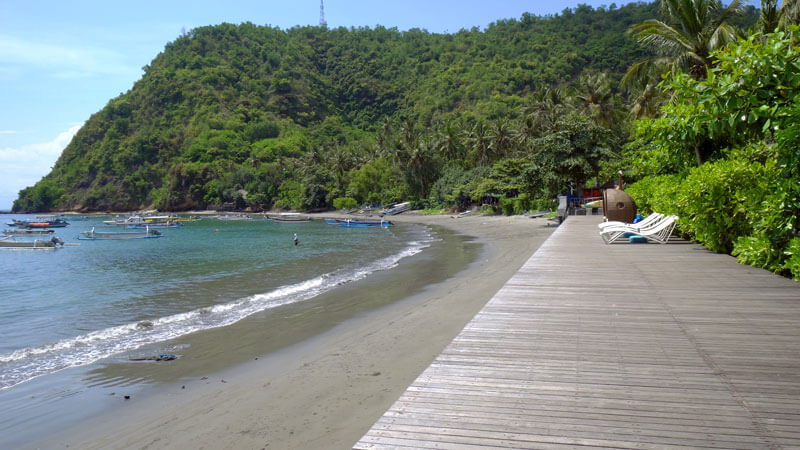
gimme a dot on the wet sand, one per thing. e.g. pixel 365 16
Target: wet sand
pixel 326 390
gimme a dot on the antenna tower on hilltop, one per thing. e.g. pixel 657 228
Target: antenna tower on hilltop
pixel 322 22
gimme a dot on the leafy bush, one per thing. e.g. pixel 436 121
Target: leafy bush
pixel 716 199
pixel 656 194
pixel 290 195
pixel 793 261
pixel 257 131
pixel 345 203
pixel 515 206
pixel 487 210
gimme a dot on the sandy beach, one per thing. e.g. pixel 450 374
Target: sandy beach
pixel 328 390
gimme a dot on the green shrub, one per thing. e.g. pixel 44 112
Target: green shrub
pixel 487 210
pixel 515 206
pixel 793 258
pixel 656 194
pixel 543 204
pixel 716 198
pixel 345 203
pixel 758 251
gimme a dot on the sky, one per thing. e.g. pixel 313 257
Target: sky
pixel 61 61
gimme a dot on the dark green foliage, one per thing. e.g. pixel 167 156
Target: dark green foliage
pixel 345 203
pixel 572 153
pixel 741 126
pixel 262 117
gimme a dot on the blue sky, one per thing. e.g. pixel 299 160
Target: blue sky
pixel 61 61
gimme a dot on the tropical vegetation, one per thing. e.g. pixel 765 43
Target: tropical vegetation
pixel 247 116
pixel 723 153
pixel 705 121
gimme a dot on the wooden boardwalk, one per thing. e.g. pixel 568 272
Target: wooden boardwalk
pixel 619 346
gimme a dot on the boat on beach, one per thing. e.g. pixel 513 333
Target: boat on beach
pixel 357 223
pixel 43 244
pixel 147 233
pixel 396 209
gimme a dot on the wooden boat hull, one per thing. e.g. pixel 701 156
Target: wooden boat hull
pixel 28 232
pixel 397 209
pixel 291 219
pixel 119 235
pixel 355 223
pixel 33 245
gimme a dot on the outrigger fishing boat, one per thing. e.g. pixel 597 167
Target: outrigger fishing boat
pixel 28 232
pixel 147 233
pixel 396 209
pixel 356 223
pixel 167 224
pixel 43 244
pixel 135 220
pixel 42 222
pixel 290 217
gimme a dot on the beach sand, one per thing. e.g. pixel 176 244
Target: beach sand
pixel 328 390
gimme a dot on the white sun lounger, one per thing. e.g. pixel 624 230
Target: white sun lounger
pixel 644 223
pixel 659 231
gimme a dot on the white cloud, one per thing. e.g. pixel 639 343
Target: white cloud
pixel 24 166
pixel 66 61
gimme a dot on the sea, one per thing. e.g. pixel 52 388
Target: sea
pixel 92 302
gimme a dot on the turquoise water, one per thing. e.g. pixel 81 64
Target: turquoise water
pixel 94 299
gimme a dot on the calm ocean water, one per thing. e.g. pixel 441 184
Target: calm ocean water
pixel 82 303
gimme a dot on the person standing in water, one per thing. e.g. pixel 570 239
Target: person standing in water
pixel 296 240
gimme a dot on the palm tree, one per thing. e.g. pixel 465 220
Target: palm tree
pixel 693 29
pixel 477 140
pixel 449 142
pixel 774 18
pixel 500 139
pixel 645 101
pixel 547 107
pixel 593 96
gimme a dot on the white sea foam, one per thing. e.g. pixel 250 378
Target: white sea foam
pixel 28 363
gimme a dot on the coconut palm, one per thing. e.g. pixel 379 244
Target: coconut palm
pixel 546 107
pixel 477 140
pixel 777 18
pixel 593 96
pixel 692 30
pixel 645 101
pixel 449 142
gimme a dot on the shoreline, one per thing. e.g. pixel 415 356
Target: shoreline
pixel 328 390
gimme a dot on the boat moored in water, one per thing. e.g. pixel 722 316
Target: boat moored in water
pixel 357 223
pixel 42 222
pixel 44 244
pixel 147 233
pixel 28 232
pixel 290 217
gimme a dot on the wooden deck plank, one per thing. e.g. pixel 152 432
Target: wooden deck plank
pixel 623 346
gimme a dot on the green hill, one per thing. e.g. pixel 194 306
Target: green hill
pixel 260 117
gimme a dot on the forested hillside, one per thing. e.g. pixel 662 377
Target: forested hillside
pixel 258 117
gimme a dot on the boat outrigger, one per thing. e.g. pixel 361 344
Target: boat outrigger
pixel 28 232
pixel 396 209
pixel 41 222
pixel 290 217
pixel 147 233
pixel 357 223
pixel 43 244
